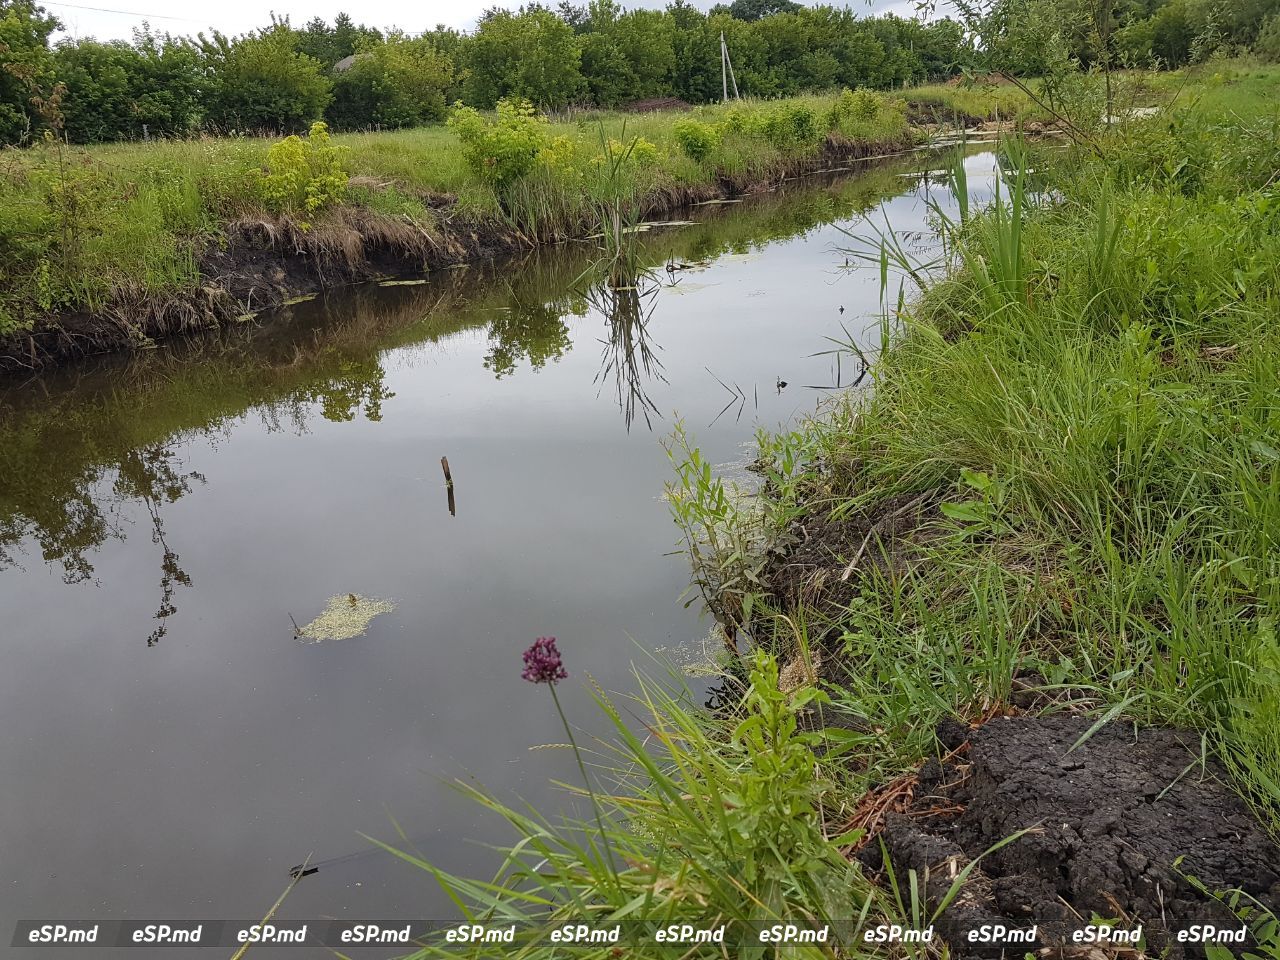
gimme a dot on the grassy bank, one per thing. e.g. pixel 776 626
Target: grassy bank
pixel 1065 482
pixel 113 245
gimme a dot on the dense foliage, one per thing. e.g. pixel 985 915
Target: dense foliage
pixel 1027 35
pixel 282 78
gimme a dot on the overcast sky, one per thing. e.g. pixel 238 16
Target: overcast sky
pixel 115 19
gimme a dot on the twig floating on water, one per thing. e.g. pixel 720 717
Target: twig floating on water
pixel 448 486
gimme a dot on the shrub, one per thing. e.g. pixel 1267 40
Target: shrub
pixel 789 125
pixel 696 139
pixel 259 82
pixel 304 176
pixel 400 82
pixel 637 152
pixel 860 106
pixel 502 150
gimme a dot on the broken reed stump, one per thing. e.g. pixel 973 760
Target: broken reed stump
pixel 448 485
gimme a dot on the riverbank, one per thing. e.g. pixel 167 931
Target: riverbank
pixel 1012 609
pixel 1060 496
pixel 116 246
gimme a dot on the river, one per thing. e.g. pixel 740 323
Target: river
pixel 170 748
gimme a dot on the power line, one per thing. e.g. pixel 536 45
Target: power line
pixel 127 13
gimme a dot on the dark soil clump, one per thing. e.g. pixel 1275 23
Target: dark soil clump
pixel 821 561
pixel 1115 827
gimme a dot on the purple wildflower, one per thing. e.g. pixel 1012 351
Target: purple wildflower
pixel 542 662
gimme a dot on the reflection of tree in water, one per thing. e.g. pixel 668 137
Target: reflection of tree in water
pixel 66 531
pixel 360 386
pixel 56 461
pixel 150 474
pixel 531 329
pixel 629 357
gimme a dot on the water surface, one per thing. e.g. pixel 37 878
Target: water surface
pixel 169 748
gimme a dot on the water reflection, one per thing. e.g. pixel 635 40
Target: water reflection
pixel 530 329
pixel 150 475
pixel 114 424
pixel 630 356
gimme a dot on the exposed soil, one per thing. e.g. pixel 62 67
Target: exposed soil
pixel 817 564
pixel 261 263
pixel 1115 828
pixel 932 112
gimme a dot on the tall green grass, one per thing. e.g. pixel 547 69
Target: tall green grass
pixel 711 821
pixel 1088 389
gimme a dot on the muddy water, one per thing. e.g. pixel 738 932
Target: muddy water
pixel 169 748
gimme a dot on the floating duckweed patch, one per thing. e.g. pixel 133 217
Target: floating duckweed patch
pixel 345 617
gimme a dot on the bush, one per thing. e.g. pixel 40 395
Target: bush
pixel 637 152
pixel 259 82
pixel 696 139
pixel 397 83
pixel 502 150
pixel 860 106
pixel 305 176
pixel 789 125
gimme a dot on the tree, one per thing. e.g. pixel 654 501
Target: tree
pixel 532 54
pixel 168 85
pixel 259 82
pixel 696 50
pixel 96 105
pixel 327 44
pixel 627 56
pixel 25 66
pixel 400 82
pixel 752 10
pixel 119 91
pixel 1268 44
pixel 606 70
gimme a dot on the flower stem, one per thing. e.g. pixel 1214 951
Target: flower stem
pixel 595 804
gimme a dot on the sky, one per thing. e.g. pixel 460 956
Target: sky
pixel 115 19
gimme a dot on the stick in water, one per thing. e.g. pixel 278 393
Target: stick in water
pixel 448 485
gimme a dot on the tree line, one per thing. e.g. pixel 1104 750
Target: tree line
pixel 1026 34
pixel 281 78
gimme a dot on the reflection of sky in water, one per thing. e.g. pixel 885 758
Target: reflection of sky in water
pixel 183 779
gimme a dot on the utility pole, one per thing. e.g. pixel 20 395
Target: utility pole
pixel 726 65
pixel 724 79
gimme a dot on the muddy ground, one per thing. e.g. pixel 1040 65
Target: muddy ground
pixel 1115 827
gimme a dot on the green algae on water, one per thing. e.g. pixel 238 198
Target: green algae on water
pixel 346 616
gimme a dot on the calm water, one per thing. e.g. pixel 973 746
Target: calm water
pixel 169 749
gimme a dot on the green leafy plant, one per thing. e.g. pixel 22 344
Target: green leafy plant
pixel 723 826
pixel 788 126
pixel 305 176
pixel 981 514
pixel 505 148
pixel 698 140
